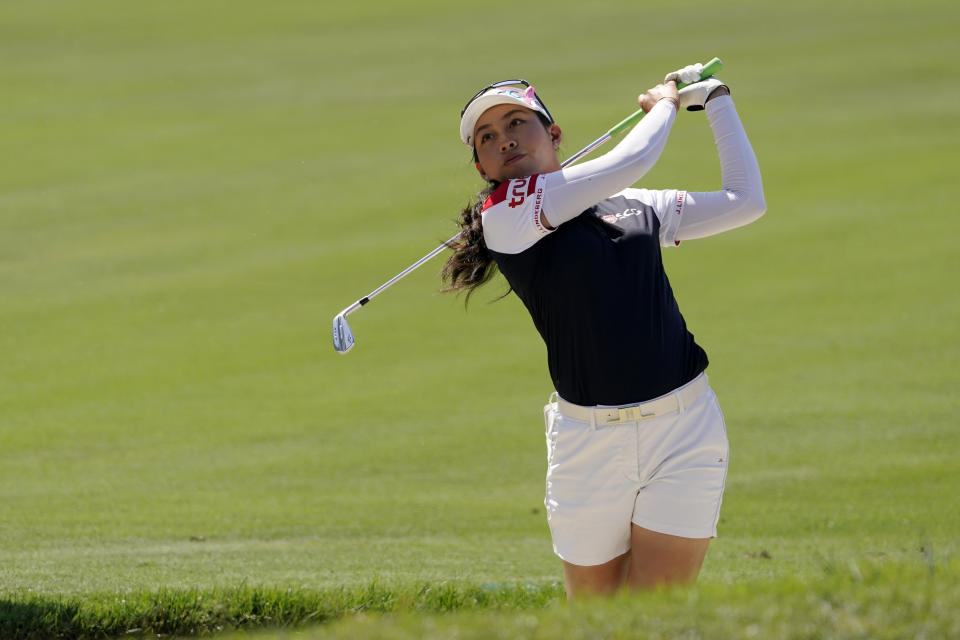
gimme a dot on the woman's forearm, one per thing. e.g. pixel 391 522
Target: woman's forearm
pixel 570 191
pixel 741 199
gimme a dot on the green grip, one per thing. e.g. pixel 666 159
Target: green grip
pixel 708 70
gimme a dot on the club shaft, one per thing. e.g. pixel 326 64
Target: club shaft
pixel 386 285
pixel 708 70
pixel 587 149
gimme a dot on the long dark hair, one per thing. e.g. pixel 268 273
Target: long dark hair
pixel 471 265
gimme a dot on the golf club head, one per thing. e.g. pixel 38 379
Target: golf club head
pixel 342 336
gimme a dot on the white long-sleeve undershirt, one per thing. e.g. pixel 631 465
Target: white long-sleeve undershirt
pixel 683 216
pixel 741 200
pixel 569 191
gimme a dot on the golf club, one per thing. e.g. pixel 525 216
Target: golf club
pixel 343 339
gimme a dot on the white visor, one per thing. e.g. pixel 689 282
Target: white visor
pixel 500 95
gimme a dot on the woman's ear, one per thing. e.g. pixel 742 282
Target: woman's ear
pixel 555 134
pixel 483 174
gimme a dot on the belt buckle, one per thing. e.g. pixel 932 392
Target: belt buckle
pixel 632 414
pixel 616 415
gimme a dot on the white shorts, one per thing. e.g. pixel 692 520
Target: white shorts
pixel 665 473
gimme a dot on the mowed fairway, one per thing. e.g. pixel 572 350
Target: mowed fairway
pixel 190 191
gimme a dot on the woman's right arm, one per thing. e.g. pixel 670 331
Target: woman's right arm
pixel 570 191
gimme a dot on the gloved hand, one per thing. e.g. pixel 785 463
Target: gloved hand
pixel 689 74
pixel 694 96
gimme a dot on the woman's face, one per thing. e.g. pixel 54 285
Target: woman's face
pixel 511 142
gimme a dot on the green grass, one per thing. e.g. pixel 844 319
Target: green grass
pixel 196 612
pixel 869 600
pixel 189 192
pixel 847 603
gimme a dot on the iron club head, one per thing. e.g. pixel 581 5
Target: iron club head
pixel 342 335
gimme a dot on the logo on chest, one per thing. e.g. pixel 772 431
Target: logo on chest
pixel 612 218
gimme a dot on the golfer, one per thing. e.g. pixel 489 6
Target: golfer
pixel 636 443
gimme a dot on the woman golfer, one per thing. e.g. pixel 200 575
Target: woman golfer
pixel 636 444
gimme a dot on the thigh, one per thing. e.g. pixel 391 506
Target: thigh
pixel 660 559
pixel 598 579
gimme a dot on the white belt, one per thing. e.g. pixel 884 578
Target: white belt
pixel 670 403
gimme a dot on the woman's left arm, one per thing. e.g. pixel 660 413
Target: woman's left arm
pixel 740 201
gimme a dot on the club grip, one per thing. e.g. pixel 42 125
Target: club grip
pixel 709 69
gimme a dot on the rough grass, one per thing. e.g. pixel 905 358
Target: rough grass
pixel 203 612
pixel 868 600
pixel 893 602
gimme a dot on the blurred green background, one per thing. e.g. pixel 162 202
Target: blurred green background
pixel 190 191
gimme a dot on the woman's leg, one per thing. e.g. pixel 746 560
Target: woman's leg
pixel 655 559
pixel 660 559
pixel 597 579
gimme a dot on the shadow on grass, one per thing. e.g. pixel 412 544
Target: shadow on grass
pixel 37 618
pixel 192 612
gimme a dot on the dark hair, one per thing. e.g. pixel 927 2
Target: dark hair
pixel 471 265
